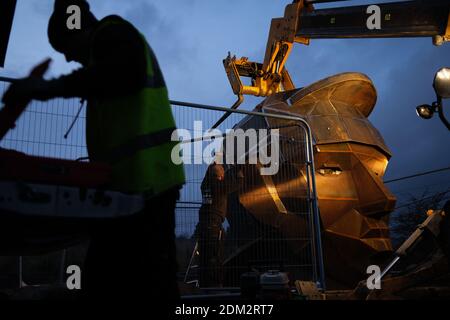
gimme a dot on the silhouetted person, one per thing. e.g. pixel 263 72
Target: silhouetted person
pixel 129 125
pixel 210 231
pixel 219 182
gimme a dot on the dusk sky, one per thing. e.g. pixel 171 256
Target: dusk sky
pixel 191 37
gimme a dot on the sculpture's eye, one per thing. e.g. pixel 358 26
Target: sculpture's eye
pixel 330 171
pixel 327 172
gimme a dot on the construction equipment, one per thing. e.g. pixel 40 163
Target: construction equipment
pixel 424 257
pixel 302 23
pixel 429 230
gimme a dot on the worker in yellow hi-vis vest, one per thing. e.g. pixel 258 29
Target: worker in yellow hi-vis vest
pixel 129 125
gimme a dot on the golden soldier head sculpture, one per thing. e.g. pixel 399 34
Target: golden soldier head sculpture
pixel 350 161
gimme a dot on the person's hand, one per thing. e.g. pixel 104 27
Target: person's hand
pixel 27 89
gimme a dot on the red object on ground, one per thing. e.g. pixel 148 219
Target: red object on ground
pixel 16 166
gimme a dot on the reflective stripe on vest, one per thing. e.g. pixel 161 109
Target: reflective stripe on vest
pixel 133 133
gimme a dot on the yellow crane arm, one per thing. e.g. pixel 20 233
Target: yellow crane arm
pixel 301 22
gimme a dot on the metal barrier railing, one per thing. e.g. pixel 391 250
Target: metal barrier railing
pixel 268 218
pixel 270 243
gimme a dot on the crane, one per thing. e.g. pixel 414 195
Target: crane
pixel 302 23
